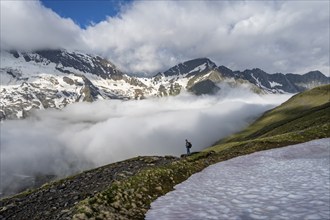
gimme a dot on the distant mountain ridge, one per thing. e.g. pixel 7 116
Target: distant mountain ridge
pixel 272 83
pixel 56 78
pixel 291 83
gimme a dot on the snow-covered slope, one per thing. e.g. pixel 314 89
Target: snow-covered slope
pixel 53 79
pixel 56 78
pixel 286 183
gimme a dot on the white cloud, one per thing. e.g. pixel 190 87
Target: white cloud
pixel 86 135
pixel 271 35
pixel 29 25
pixel 151 36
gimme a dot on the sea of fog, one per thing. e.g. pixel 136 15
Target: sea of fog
pixel 86 135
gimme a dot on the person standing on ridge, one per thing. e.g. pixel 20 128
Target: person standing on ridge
pixel 188 146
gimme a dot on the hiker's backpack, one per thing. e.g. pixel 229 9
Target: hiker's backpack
pixel 189 145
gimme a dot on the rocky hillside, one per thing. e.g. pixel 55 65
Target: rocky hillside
pixel 55 78
pixel 55 200
pixel 125 190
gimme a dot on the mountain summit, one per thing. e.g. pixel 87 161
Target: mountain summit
pixel 191 67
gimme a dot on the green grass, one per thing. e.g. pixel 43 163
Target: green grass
pixel 304 117
pixel 301 106
pixel 130 198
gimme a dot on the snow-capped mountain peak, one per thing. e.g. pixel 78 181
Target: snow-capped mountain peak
pixel 191 67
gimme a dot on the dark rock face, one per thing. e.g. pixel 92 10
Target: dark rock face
pixel 14 73
pixel 226 71
pixel 257 76
pixel 14 53
pixel 89 91
pixel 283 83
pixel 68 80
pixel 206 87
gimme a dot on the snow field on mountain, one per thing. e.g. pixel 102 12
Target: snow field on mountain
pixel 286 183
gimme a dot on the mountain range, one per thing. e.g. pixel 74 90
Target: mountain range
pixel 55 78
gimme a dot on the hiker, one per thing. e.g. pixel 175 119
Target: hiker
pixel 188 146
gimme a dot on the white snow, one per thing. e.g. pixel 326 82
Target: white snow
pixel 286 183
pixel 273 84
pixel 199 68
pixel 257 81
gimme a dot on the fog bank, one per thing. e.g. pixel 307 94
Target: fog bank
pixel 86 135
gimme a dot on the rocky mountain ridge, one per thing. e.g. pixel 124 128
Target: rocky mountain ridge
pixel 55 78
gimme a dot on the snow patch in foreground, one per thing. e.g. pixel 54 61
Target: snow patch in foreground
pixel 286 183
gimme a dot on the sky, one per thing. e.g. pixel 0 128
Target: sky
pixel 150 36
pixel 87 135
pixel 86 12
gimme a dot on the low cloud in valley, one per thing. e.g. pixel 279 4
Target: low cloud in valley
pixel 86 135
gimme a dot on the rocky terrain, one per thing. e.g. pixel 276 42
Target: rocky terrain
pixel 55 78
pixel 56 200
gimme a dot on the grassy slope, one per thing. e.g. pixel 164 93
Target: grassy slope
pixel 302 118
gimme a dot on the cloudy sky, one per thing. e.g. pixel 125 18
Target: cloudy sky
pixel 151 36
